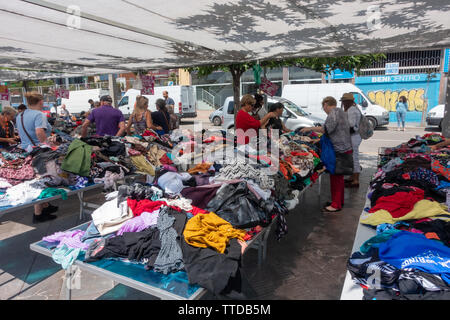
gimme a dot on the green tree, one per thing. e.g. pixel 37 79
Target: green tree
pixel 320 64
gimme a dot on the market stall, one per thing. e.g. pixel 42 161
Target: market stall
pixel 402 248
pixel 193 225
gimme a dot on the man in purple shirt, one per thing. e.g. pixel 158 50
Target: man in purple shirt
pixel 108 120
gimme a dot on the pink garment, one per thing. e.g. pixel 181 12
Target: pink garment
pixel 169 168
pixel 139 223
pixel 72 239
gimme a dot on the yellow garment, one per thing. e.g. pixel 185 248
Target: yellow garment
pixel 154 154
pixel 210 230
pixel 143 165
pixel 422 209
pixel 200 168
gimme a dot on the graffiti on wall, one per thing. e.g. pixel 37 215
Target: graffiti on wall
pixel 388 98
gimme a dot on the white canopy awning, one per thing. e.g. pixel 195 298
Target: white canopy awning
pixel 58 38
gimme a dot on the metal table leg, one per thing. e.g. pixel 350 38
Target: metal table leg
pixel 80 197
pixel 68 283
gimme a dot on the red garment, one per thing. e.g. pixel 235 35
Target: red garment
pixel 314 177
pixel 244 121
pixel 165 160
pixel 337 185
pixel 195 211
pixel 399 203
pixel 137 207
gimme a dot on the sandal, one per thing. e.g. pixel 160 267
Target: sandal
pixel 325 210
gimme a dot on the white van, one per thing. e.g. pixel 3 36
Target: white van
pixel 183 96
pixel 309 96
pixel 293 116
pixel 78 100
pixel 436 115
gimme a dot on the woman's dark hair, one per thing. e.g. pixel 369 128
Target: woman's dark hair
pixel 22 107
pixel 161 105
pixel 403 99
pixel 276 106
pixel 347 104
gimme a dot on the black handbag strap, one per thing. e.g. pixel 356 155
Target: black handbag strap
pixel 25 130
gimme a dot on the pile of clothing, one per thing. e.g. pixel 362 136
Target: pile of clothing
pixel 196 220
pixel 74 163
pixel 419 144
pixel 409 257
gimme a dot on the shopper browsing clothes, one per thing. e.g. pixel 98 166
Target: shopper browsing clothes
pixel 161 117
pixel 141 118
pixel 337 129
pixel 34 130
pixel 108 120
pixel 7 136
pixel 275 123
pixel 402 108
pixel 354 117
pixel 245 121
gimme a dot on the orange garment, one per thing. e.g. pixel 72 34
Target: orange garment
pixel 210 230
pixel 202 168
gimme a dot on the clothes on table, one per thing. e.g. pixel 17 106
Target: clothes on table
pixel 109 218
pixel 172 182
pixel 209 230
pixel 138 246
pixel 65 256
pixel 170 257
pixel 217 272
pixel 78 158
pixel 143 165
pixel 51 192
pixel 71 239
pixel 139 223
pixel 200 196
pixel 410 250
pixel 23 193
pixel 422 209
pixel 399 203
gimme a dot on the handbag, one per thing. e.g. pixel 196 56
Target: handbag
pixel 327 154
pixel 344 163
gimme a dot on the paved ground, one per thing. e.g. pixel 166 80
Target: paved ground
pixel 309 263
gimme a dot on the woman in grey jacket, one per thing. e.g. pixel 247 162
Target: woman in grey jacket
pixel 354 117
pixel 338 130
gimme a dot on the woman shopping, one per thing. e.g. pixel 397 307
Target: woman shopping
pixel 245 122
pixel 337 129
pixel 141 118
pixel 161 118
pixel 354 117
pixel 34 131
pixel 402 108
pixel 7 136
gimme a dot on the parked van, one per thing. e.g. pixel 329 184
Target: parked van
pixel 78 99
pixel 293 116
pixel 436 115
pixel 310 96
pixel 183 96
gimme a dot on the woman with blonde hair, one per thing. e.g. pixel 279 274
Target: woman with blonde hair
pixel 141 117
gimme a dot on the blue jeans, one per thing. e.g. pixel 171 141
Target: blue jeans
pixel 401 115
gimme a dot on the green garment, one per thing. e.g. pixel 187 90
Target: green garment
pixel 51 192
pixel 142 165
pixel 377 240
pixel 78 158
pixel 257 74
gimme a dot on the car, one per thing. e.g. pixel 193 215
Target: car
pixel 435 116
pixel 216 116
pixel 309 97
pixel 293 117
